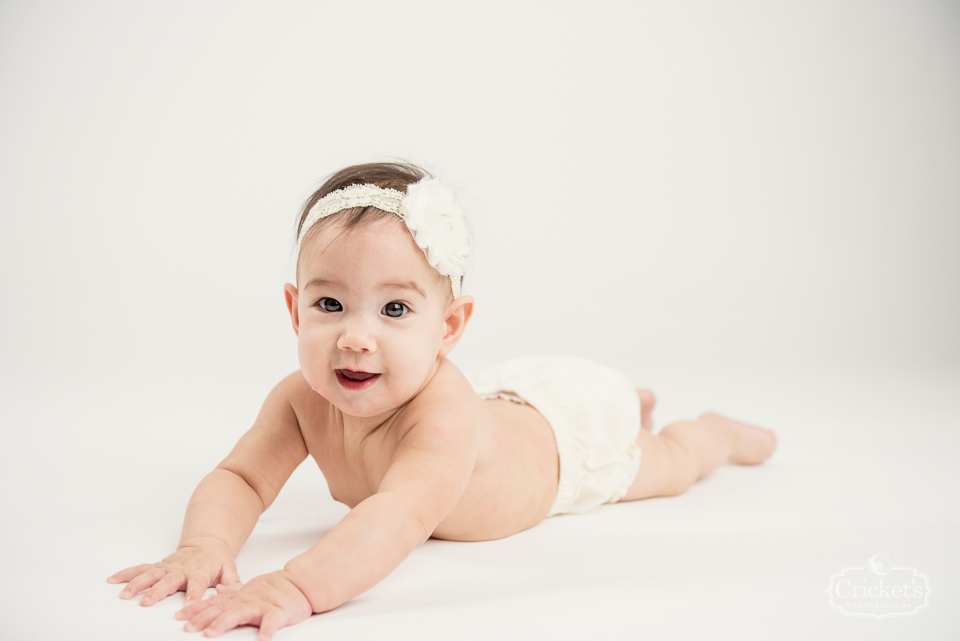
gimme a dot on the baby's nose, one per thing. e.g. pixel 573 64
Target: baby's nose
pixel 357 339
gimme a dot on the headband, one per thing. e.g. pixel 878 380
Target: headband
pixel 428 211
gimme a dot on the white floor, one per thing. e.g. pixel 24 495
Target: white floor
pixel 95 481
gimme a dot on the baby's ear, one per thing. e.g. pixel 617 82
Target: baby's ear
pixel 290 295
pixel 455 322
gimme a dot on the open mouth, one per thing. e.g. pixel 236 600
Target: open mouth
pixel 355 380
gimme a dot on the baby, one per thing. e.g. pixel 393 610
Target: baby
pixel 414 447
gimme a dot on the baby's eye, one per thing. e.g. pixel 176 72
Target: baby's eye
pixel 329 304
pixel 394 309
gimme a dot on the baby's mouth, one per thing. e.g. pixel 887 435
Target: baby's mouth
pixel 355 375
pixel 356 380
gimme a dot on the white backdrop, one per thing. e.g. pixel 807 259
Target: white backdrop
pixel 668 188
pixel 649 186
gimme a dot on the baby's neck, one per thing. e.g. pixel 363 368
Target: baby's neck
pixel 356 429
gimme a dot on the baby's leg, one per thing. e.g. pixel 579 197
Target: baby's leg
pixel 686 451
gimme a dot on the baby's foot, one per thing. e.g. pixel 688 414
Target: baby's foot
pixel 647 402
pixel 751 444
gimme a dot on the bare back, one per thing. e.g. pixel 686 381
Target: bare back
pixel 514 480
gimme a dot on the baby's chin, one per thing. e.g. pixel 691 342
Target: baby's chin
pixel 368 403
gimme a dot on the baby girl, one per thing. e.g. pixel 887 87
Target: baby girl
pixel 413 446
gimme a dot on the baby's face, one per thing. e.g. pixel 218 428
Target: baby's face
pixel 368 303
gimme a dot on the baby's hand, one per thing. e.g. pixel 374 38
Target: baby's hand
pixel 270 602
pixel 191 568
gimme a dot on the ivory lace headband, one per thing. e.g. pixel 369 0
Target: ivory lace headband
pixel 428 211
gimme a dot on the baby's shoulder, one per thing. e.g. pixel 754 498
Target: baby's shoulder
pixel 295 387
pixel 448 397
pixel 308 406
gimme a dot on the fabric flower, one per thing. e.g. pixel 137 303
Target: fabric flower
pixel 438 228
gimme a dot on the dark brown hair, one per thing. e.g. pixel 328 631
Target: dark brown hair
pixel 389 175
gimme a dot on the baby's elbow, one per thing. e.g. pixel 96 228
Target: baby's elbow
pixel 418 521
pixel 424 530
pixel 251 485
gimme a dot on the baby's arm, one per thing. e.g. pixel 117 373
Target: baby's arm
pixel 225 506
pixel 429 473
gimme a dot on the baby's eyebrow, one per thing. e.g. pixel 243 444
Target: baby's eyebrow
pixel 406 285
pixel 318 282
pixel 409 284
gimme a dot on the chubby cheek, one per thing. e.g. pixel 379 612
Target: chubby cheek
pixel 313 360
pixel 418 352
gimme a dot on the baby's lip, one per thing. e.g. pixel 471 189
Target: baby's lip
pixel 356 375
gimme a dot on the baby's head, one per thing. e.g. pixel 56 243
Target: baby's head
pixel 380 264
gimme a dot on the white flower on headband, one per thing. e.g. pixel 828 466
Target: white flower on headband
pixel 438 228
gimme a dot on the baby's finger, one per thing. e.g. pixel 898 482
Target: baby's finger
pixel 203 619
pixel 229 575
pixel 269 624
pixel 142 582
pixel 228 588
pixel 125 575
pixel 237 615
pixel 196 587
pixel 192 610
pixel 163 588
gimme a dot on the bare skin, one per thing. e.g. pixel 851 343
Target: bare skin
pixel 516 450
pixel 686 451
pixel 415 453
